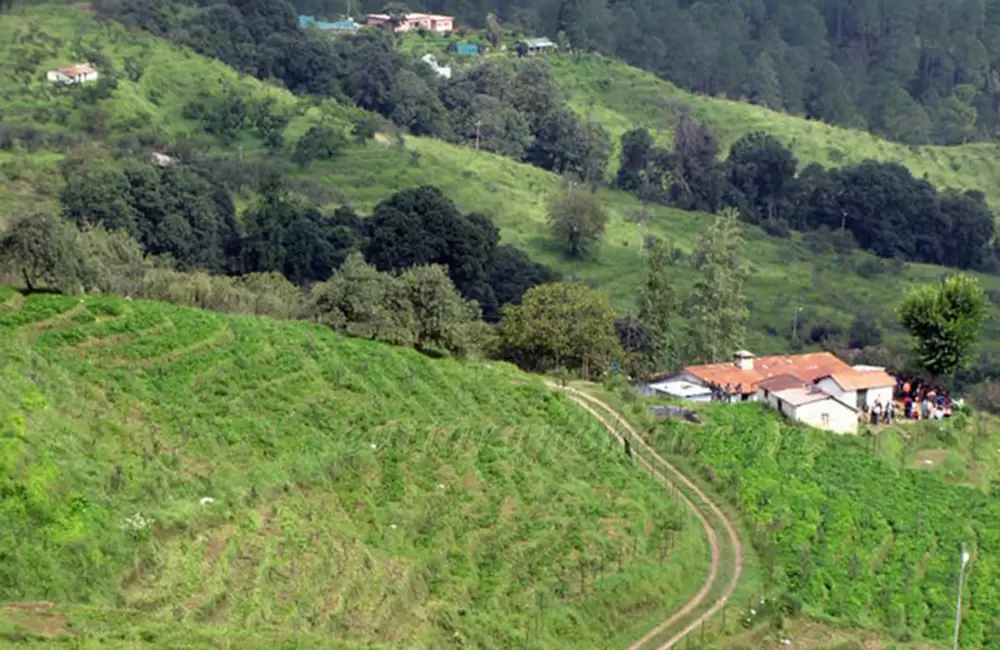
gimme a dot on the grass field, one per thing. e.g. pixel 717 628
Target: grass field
pixel 786 274
pixel 620 97
pixel 359 492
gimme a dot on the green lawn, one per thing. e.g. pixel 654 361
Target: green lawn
pixel 360 492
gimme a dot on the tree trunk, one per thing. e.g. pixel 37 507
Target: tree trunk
pixel 27 280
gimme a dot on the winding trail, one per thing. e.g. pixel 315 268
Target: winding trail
pixel 715 523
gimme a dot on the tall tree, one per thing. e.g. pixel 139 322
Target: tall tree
pixel 41 248
pixel 360 301
pixel 560 325
pixel 945 320
pixel 577 220
pixel 659 306
pixel 718 309
pixel 763 170
pixel 442 316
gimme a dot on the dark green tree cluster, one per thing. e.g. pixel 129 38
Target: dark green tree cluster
pixel 911 70
pixel 186 213
pixel 521 113
pixel 881 205
pixel 172 211
pixel 421 227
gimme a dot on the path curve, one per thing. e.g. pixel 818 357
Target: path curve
pixel 593 405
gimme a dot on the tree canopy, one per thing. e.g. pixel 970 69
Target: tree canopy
pixel 560 325
pixel 945 320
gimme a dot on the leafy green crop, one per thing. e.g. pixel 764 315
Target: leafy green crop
pixel 854 538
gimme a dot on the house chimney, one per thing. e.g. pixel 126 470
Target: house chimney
pixel 743 360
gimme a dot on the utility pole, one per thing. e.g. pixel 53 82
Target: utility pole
pixel 795 325
pixel 479 123
pixel 961 584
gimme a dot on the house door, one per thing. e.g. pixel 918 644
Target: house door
pixel 862 398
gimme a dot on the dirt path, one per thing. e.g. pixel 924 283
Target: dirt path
pixel 615 423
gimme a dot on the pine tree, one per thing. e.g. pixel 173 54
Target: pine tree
pixel 719 313
pixel 765 86
pixel 658 307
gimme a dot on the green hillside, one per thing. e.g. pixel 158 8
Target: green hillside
pixel 359 492
pixel 621 97
pixel 858 539
pixel 788 275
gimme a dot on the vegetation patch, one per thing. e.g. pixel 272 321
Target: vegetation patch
pixel 281 480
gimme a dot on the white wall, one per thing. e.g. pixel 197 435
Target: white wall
pixel 830 386
pixel 767 398
pixel 841 419
pixel 883 395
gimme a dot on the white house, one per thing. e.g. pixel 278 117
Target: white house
pixel 442 70
pixel 431 22
pixel 862 388
pixel 812 406
pixel 817 388
pixel 78 73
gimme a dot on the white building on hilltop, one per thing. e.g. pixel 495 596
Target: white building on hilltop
pixel 817 389
pixel 78 73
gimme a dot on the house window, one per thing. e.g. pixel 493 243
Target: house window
pixel 825 419
pixel 862 398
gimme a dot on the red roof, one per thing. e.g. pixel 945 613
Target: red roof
pixel 805 367
pixel 863 379
pixel 781 382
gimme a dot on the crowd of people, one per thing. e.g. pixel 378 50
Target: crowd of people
pixel 923 401
pixel 913 399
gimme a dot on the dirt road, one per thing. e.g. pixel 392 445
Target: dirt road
pixel 715 523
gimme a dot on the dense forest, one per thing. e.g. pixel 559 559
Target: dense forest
pixel 915 71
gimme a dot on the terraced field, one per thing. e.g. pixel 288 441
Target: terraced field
pixel 173 477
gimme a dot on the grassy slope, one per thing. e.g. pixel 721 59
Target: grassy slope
pixel 832 498
pixel 361 492
pixel 621 96
pixel 786 275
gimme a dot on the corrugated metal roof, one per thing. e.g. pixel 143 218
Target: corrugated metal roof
pixel 538 42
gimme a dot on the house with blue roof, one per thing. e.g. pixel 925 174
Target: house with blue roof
pixel 346 25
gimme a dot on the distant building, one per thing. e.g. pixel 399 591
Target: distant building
pixel 346 25
pixel 162 159
pixel 430 22
pixel 79 73
pixel 464 49
pixel 535 46
pixel 818 389
pixel 442 70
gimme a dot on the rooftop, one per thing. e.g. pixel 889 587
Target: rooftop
pixel 538 42
pixel 77 69
pixel 854 379
pixel 414 16
pixel 679 388
pixel 802 395
pixel 805 367
pixel 780 382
